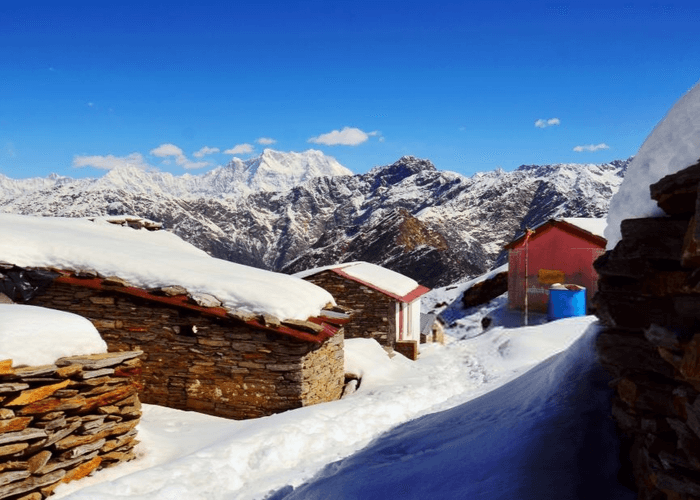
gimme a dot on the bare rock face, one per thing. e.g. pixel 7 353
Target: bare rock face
pixel 486 290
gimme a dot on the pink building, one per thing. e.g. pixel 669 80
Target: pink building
pixel 558 251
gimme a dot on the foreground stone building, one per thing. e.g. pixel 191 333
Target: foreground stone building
pixel 199 354
pixel 385 304
pixel 649 300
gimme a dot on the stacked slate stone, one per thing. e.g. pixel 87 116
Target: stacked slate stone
pixel 61 422
pixel 649 298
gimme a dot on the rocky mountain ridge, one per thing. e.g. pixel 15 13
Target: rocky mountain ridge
pixel 437 227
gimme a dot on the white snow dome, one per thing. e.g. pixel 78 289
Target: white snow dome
pixel 31 335
pixel 673 145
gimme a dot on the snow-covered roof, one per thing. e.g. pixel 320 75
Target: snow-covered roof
pixel 377 277
pixel 31 335
pixel 593 226
pixel 672 146
pixel 152 259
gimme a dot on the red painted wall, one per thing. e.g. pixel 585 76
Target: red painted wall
pixel 552 248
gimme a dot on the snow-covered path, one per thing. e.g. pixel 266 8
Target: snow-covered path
pixel 546 434
pixel 193 456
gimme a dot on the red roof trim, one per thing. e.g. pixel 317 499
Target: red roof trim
pixel 566 226
pixel 409 297
pixel 182 302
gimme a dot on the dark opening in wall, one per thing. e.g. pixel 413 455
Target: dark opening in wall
pixel 186 330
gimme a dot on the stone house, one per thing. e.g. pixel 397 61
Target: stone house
pixel 199 353
pixel 385 304
pixel 558 251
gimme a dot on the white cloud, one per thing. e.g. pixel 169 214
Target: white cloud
pixel 547 123
pixel 349 136
pixel 167 150
pixel 206 150
pixel 240 149
pixel 265 141
pixel 109 162
pixel 591 147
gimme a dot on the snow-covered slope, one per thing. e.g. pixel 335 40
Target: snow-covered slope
pixel 434 226
pixel 673 145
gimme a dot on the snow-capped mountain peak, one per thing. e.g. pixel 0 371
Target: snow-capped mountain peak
pixel 280 171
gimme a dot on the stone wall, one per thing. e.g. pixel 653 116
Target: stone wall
pixel 63 421
pixel 218 366
pixel 373 312
pixel 649 298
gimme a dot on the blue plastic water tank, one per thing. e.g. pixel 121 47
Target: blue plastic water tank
pixel 566 301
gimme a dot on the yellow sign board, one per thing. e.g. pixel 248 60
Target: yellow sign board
pixel 550 276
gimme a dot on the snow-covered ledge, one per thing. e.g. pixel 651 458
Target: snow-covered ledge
pixel 67 407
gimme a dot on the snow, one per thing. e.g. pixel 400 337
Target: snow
pixel 280 171
pixel 378 276
pixel 592 225
pixel 673 145
pixel 381 277
pixel 150 259
pixel 546 434
pixel 34 336
pixel 466 323
pixel 456 423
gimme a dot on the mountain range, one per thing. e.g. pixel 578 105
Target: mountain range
pixel 293 211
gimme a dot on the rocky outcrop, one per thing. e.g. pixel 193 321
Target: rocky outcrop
pixel 486 290
pixel 649 298
pixel 61 422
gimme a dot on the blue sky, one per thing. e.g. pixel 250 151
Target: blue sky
pixel 85 86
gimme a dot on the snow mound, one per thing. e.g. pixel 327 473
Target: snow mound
pixel 31 335
pixel 673 145
pixel 150 259
pixel 368 360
